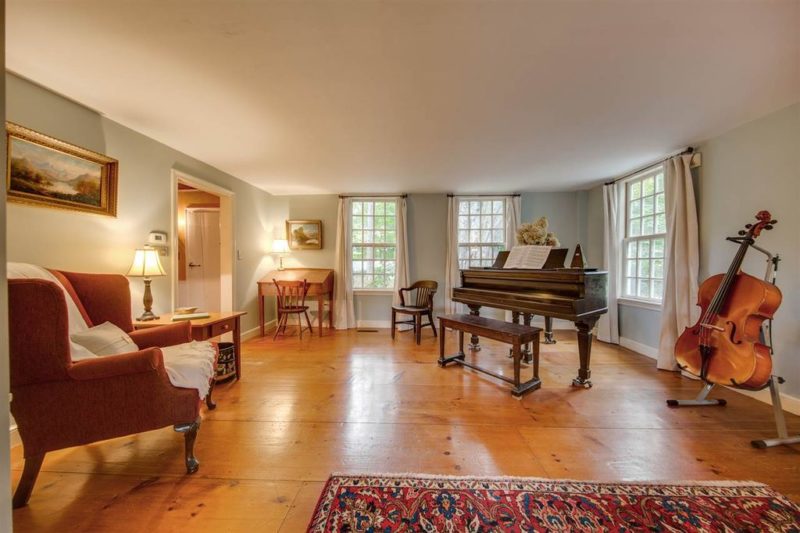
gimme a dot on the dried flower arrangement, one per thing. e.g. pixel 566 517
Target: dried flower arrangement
pixel 536 233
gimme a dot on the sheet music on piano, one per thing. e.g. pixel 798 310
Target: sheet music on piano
pixel 528 257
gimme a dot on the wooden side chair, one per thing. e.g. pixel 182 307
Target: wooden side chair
pixel 291 301
pixel 419 305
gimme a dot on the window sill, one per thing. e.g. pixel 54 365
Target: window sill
pixel 641 304
pixel 374 292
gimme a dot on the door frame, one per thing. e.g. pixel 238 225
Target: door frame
pixel 227 233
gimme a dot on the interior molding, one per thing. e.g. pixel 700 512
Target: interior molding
pixel 374 324
pixel 790 404
pixel 638 347
pixel 256 331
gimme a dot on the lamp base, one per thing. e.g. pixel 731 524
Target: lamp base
pixel 147 315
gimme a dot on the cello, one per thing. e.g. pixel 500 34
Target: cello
pixel 724 346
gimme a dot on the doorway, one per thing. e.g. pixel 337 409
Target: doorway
pixel 203 239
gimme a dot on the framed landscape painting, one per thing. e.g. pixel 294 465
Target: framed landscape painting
pixel 47 172
pixel 304 234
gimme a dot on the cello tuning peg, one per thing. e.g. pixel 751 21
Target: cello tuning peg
pixel 748 226
pixel 773 221
pixel 742 232
pixel 768 226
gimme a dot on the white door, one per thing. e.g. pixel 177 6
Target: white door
pixel 202 259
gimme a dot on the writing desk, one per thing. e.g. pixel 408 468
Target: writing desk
pixel 320 286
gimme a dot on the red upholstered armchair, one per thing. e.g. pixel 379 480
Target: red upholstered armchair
pixel 58 403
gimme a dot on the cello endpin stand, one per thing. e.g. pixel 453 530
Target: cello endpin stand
pixel 780 420
pixel 700 401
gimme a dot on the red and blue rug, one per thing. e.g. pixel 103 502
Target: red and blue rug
pixel 389 503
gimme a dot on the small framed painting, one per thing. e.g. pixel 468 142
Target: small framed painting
pixel 304 234
pixel 47 172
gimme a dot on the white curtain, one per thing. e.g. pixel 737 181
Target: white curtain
pixel 679 309
pixel 452 277
pixel 401 268
pixel 614 231
pixel 513 220
pixel 345 316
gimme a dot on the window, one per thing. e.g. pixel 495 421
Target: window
pixel 481 231
pixel 645 235
pixel 373 243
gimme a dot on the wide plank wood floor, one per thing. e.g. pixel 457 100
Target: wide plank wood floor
pixel 362 403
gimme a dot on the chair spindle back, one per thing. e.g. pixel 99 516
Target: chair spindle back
pixel 291 294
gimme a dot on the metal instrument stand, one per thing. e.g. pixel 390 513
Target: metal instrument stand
pixel 702 399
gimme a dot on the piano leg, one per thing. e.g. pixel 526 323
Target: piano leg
pixel 474 310
pixel 585 352
pixel 548 330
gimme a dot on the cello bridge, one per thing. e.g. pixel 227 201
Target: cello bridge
pixel 712 326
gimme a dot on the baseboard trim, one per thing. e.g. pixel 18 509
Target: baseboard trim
pixel 790 404
pixel 638 347
pixel 373 324
pixel 256 331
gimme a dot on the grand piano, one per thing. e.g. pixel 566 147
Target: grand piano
pixel 574 294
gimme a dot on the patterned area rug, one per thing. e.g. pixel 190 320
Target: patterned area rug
pixel 386 503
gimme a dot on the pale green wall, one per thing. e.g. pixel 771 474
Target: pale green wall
pixel 753 167
pixel 91 243
pixel 5 416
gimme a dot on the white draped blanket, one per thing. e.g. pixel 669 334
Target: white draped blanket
pixel 188 365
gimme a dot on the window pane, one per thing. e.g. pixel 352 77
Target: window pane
pixel 390 269
pixel 358 281
pixel 648 186
pixel 658 289
pixel 661 223
pixel 486 222
pixel 475 207
pixel 463 208
pixel 380 208
pixel 380 222
pixel 631 270
pixel 486 207
pixel 659 182
pixel 391 208
pixel 390 252
pixel 368 252
pixel 357 208
pixel 369 222
pixel 358 266
pixel 463 235
pixel 368 266
pixel 631 249
pixel 644 248
pixel 660 199
pixel 635 190
pixel 378 236
pixel 463 252
pixel 358 252
pixel 368 281
pixel 486 235
pixel 390 222
pixel 368 237
pixel 474 222
pixel 644 288
pixel 357 236
pixel 658 247
pixel 648 225
pixel 636 209
pixel 658 268
pixel 357 222
pixel 497 222
pixel 474 252
pixel 391 237
pixel 644 268
pixel 475 235
pixel 497 207
pixel 497 235
pixel 634 227
pixel 630 287
pixel 463 222
pixel 379 267
pixel 648 204
pixel 369 208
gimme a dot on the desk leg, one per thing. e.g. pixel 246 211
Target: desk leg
pixel 237 346
pixel 320 310
pixel 261 311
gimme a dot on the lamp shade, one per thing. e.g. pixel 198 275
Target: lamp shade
pixel 280 246
pixel 146 264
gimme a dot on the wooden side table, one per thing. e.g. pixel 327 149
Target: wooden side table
pixel 204 329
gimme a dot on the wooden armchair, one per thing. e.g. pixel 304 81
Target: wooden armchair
pixel 58 403
pixel 419 305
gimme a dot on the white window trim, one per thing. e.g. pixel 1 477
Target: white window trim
pixel 366 291
pixel 632 301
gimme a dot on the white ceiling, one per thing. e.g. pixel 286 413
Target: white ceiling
pixel 416 96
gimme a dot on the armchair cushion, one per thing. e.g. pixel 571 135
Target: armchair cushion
pixel 108 367
pixel 105 339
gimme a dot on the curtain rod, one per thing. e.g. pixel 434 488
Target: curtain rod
pixel 373 195
pixel 451 195
pixel 688 150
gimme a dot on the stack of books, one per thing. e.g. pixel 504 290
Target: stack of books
pixel 188 313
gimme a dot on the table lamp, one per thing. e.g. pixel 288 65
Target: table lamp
pixel 145 265
pixel 280 247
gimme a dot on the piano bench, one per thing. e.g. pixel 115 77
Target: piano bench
pixel 516 335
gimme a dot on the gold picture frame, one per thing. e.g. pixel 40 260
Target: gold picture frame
pixel 45 171
pixel 304 234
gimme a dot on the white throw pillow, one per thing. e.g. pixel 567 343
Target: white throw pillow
pixel 105 339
